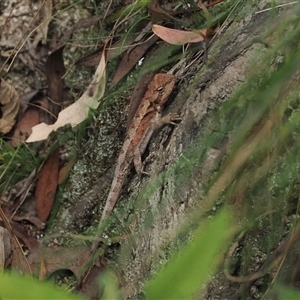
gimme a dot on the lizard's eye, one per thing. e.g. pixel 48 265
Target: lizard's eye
pixel 160 89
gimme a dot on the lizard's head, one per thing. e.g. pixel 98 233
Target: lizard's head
pixel 161 87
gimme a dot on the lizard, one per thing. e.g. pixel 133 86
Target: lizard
pixel 146 119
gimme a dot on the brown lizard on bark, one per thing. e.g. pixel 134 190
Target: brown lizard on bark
pixel 146 119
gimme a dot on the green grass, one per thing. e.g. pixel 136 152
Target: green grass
pixel 15 164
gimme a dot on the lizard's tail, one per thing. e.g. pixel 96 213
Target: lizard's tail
pixel 115 190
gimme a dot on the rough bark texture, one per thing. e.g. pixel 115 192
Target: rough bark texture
pixel 153 208
pixel 199 93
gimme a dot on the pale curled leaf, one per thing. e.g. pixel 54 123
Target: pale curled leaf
pixel 78 111
pixel 178 37
pixel 9 106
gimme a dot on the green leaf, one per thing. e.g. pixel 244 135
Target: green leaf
pixel 14 286
pixel 109 281
pixel 284 292
pixel 187 271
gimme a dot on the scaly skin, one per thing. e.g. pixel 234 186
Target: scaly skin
pixel 139 134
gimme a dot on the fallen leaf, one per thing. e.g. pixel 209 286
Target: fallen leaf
pixel 26 98
pixel 19 231
pixel 46 186
pixel 54 72
pixel 29 118
pixel 9 106
pixel 179 37
pixel 22 131
pixel 53 259
pixel 131 58
pixel 18 258
pixel 78 111
pixel 116 49
pixel 158 13
pixel 213 3
pixel 92 59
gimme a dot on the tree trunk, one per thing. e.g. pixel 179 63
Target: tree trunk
pixel 187 161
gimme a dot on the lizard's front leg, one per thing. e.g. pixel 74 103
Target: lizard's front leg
pixel 140 148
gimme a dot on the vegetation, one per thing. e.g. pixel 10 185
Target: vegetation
pixel 245 216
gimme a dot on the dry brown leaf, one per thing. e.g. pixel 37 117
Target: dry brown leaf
pixel 26 98
pixel 179 37
pixel 92 59
pixel 9 106
pixel 53 259
pixel 29 118
pixel 46 186
pixel 18 258
pixel 131 58
pixel 22 131
pixel 117 48
pixel 55 70
pixel 78 111
pixel 20 232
